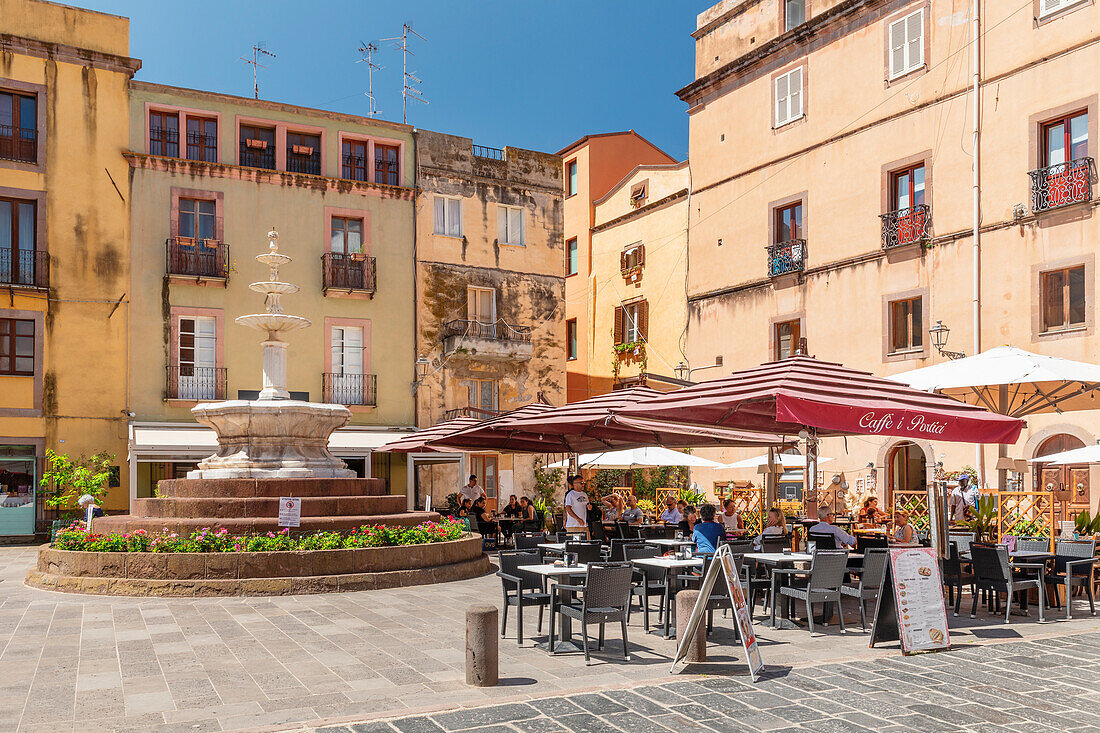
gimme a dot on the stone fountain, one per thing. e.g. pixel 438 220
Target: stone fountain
pixel 273 436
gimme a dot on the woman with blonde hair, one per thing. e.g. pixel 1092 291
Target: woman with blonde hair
pixel 776 525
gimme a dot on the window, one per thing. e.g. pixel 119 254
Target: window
pixel 346 383
pixel 485 468
pixel 303 153
pixel 481 308
pixel 1063 293
pixel 448 216
pixel 202 139
pixel 631 257
pixel 571 180
pixel 385 164
pixel 639 192
pixel 632 322
pixel 18 259
pixel 354 161
pixel 347 235
pixel 257 147
pixel 906 326
pixel 17 347
pixel 906 44
pixel 164 134
pixel 788 223
pixel 788 334
pixel 197 378
pixel 197 219
pixel 788 97
pixel 1066 139
pixel 1049 7
pixel 794 13
pixel 907 187
pixel 571 338
pixel 482 395
pixel 510 225
pixel 18 127
pixel 571 255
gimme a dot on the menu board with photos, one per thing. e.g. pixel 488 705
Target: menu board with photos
pixel 911 604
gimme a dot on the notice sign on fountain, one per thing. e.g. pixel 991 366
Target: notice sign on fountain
pixel 290 512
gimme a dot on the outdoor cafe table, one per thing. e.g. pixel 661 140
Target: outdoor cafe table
pixel 565 643
pixel 558 547
pixel 671 543
pixel 1024 556
pixel 668 564
pixel 782 559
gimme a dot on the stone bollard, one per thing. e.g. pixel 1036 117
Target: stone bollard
pixel 481 646
pixel 685 604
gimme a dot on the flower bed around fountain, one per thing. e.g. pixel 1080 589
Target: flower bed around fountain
pixel 219 564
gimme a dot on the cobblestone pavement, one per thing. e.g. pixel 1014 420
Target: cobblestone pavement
pixel 71 662
pixel 1050 684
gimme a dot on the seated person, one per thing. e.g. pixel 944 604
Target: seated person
pixel 671 515
pixel 776 525
pixel 707 531
pixel 466 508
pixel 527 510
pixel 691 516
pixel 511 509
pixel 632 513
pixel 870 513
pixel 485 521
pixel 826 526
pixel 613 507
pixel 731 520
pixel 86 501
pixel 903 531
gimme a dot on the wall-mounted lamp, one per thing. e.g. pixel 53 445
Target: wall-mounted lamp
pixel 422 364
pixel 939 334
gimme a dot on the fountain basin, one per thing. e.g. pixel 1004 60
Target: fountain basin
pixel 273 321
pixel 274 286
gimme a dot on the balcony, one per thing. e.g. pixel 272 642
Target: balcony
pixel 786 257
pixel 350 389
pixel 253 155
pixel 478 413
pixel 201 259
pixel 907 226
pixel 1061 185
pixel 187 382
pixel 202 147
pixel 480 151
pixel 348 273
pixel 498 341
pixel 25 267
pixel 19 144
pixel 298 160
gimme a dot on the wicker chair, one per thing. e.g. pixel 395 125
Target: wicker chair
pixel 822 541
pixel 521 588
pixel 586 552
pixel 992 572
pixel 649 581
pixel 618 547
pixel 1073 567
pixel 870 581
pixel 823 582
pixel 604 598
pixel 775 543
pixel 1030 545
pixel 529 540
pixel 740 547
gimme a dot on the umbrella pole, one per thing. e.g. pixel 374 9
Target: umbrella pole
pixel 1002 449
pixel 810 500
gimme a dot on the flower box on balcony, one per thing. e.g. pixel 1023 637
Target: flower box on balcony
pixel 254 143
pixel 303 150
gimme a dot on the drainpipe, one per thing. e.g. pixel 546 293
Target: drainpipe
pixel 976 264
pixel 411 486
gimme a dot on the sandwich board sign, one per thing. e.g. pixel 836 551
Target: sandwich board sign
pixel 290 512
pixel 724 565
pixel 910 604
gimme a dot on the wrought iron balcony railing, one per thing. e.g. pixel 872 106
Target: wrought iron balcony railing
pixel 196 257
pixel 353 167
pixel 786 257
pixel 341 271
pixel 19 143
pixel 188 382
pixel 906 226
pixel 478 413
pixel 497 331
pixel 480 151
pixel 25 267
pixel 350 389
pixel 202 147
pixel 1061 185
pixel 299 163
pixel 257 157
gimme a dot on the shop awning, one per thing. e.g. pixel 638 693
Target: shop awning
pixel 151 442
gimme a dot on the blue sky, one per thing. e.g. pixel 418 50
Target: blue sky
pixel 530 73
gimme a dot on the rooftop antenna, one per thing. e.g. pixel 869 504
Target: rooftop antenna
pixel 256 65
pixel 408 79
pixel 368 50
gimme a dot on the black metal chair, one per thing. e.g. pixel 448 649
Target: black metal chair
pixel 604 598
pixel 822 584
pixel 1073 567
pixel 597 532
pixel 616 553
pixel 649 581
pixel 586 552
pixel 774 543
pixel 740 547
pixel 622 530
pixel 870 580
pixel 521 588
pixel 955 577
pixel 530 540
pixel 993 573
pixel 867 542
pixel 822 541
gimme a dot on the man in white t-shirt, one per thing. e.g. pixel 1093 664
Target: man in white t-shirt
pixel 576 506
pixel 472 490
pixel 971 494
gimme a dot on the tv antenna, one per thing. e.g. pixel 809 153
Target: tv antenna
pixel 409 80
pixel 368 50
pixel 256 65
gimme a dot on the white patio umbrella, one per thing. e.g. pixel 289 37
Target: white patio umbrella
pixel 1088 454
pixel 787 460
pixel 651 457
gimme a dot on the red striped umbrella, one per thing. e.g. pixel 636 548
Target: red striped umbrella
pixel 417 442
pixel 588 426
pixel 801 392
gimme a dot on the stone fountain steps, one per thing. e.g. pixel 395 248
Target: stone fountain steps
pixel 255 525
pixel 243 488
pixel 268 506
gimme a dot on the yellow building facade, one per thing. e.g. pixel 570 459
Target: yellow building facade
pixel 66 303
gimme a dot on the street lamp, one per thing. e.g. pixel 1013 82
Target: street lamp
pixel 682 371
pixel 421 372
pixel 939 334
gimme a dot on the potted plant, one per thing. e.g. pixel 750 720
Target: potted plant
pixel 984 523
pixel 66 480
pixel 1084 525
